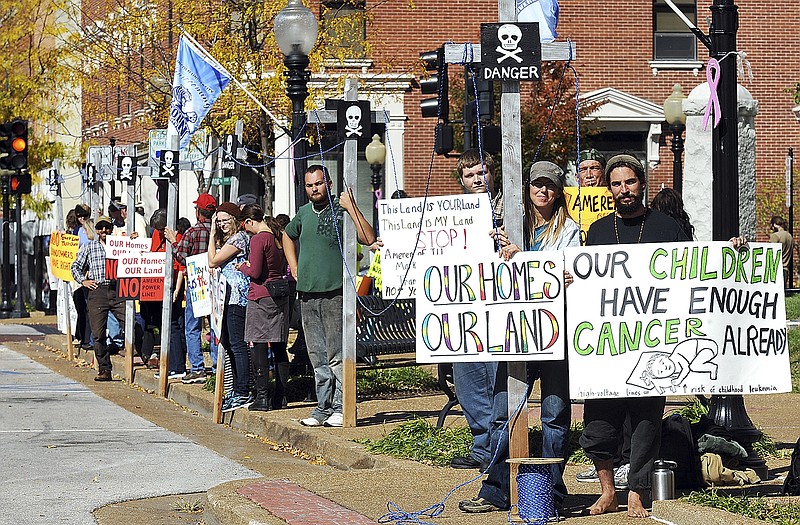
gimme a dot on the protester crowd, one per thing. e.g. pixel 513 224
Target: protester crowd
pixel 271 264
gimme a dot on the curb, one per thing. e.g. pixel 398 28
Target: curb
pixel 273 425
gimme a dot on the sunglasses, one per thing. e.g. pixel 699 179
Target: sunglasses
pixel 104 228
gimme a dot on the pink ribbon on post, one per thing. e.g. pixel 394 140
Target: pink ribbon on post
pixel 712 76
pixel 378 196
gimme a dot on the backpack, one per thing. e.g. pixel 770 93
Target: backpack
pixel 791 487
pixel 678 445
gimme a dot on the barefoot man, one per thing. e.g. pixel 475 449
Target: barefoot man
pixel 631 223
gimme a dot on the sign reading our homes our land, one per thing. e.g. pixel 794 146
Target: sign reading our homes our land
pixel 472 308
pixel 675 319
pixel 454 226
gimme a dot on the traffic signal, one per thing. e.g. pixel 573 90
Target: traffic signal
pixel 435 84
pixel 14 145
pixel 484 90
pixel 20 183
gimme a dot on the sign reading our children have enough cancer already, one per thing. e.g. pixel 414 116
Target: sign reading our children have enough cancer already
pixel 452 226
pixel 675 319
pixel 487 309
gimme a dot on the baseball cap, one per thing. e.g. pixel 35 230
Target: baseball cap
pixel 206 201
pixel 116 206
pixel 247 198
pixel 547 170
pixel 103 219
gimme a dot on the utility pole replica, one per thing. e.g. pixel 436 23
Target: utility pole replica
pixel 356 134
pixel 509 70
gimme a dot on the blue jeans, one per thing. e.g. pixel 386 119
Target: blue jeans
pixel 475 385
pixel 115 336
pixel 177 339
pixel 556 418
pixel 322 325
pixel 233 341
pixel 193 331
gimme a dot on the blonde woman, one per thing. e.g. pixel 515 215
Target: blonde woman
pixel 548 226
pixel 227 248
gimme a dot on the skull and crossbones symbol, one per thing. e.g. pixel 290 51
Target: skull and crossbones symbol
pixel 168 168
pixel 353 126
pixel 509 36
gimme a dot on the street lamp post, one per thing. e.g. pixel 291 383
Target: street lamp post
pixel 676 118
pixel 375 153
pixel 296 33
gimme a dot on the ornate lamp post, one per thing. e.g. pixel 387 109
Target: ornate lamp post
pixel 376 156
pixel 676 118
pixel 296 33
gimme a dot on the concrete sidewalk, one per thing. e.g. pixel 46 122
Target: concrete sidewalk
pixel 365 484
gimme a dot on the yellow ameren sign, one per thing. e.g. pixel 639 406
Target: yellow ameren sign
pixel 63 250
pixel 590 205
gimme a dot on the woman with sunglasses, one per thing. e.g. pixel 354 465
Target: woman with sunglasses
pixel 548 226
pixel 227 248
pixel 267 324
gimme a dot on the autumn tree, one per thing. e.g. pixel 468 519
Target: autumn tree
pixel 127 48
pixel 37 82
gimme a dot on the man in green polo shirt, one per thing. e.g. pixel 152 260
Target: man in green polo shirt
pixel 318 270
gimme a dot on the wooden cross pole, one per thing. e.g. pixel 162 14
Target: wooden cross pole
pixel 166 301
pixel 349 239
pixel 513 210
pixel 130 306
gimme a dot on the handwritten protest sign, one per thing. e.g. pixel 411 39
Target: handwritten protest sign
pixel 451 226
pixel 590 205
pixel 141 276
pixel 218 288
pixel 487 309
pixel 677 318
pixel 119 245
pixel 198 284
pixel 63 250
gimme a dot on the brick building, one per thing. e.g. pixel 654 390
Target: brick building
pixel 629 54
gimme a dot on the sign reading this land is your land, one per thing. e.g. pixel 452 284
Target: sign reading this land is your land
pixel 454 226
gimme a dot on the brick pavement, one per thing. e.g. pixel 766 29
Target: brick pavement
pixel 298 506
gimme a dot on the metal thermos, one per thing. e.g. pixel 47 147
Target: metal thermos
pixel 664 480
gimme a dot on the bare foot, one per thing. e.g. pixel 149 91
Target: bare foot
pixel 605 503
pixel 635 507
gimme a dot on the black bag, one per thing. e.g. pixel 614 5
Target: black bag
pixel 278 289
pixel 791 487
pixel 678 445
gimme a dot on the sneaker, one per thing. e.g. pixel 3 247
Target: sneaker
pixel 153 363
pixel 335 420
pixel 464 462
pixel 236 402
pixel 311 422
pixel 621 476
pixel 194 377
pixel 476 505
pixel 171 375
pixel 588 476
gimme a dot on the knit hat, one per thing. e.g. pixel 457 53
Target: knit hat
pixel 628 161
pixel 229 208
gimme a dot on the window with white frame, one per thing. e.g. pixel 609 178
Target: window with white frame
pixel 672 39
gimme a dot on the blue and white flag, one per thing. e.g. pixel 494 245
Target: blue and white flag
pixel 199 81
pixel 543 11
